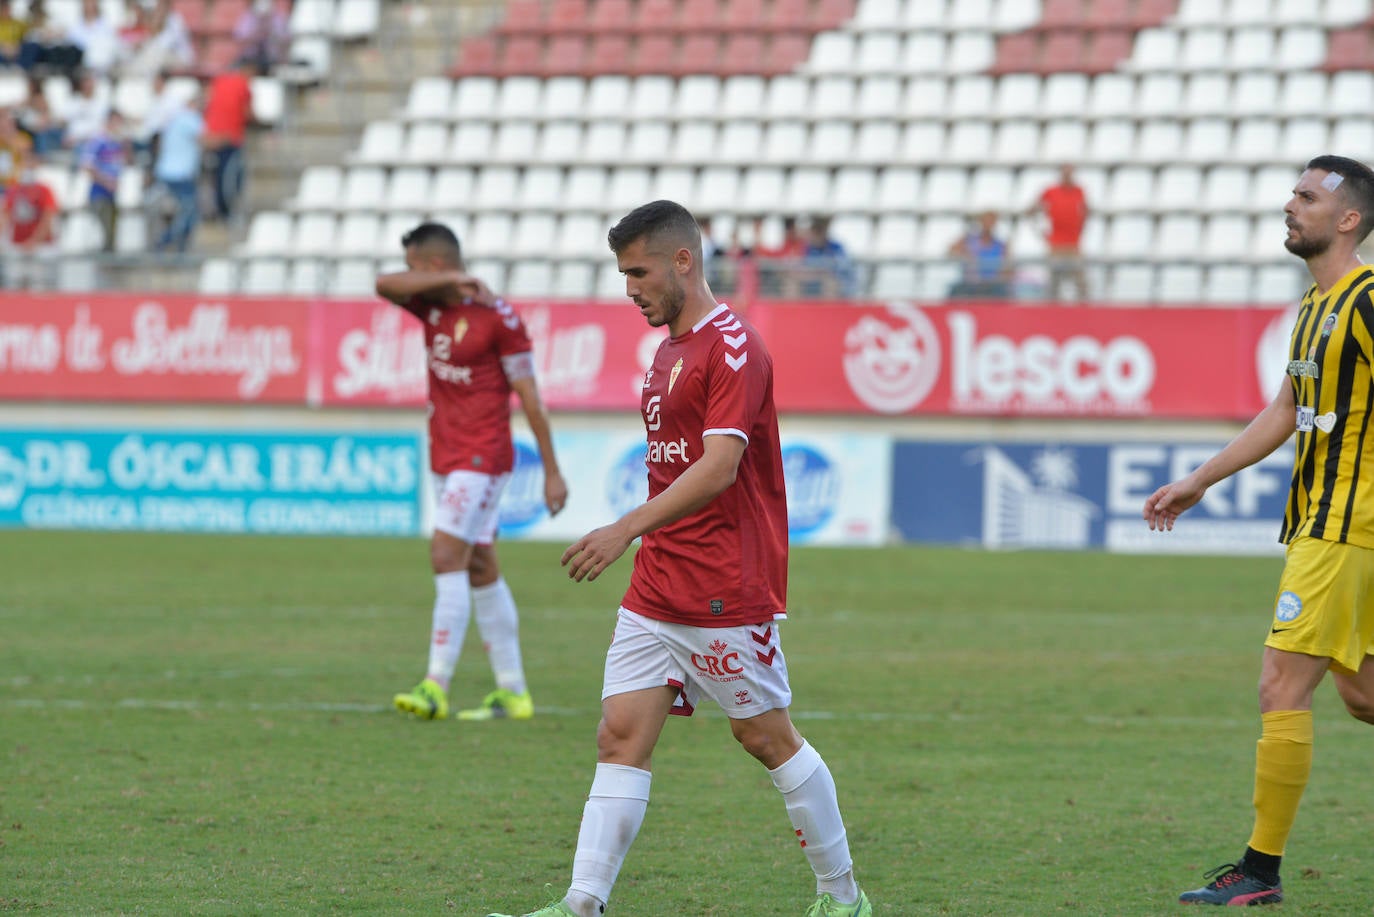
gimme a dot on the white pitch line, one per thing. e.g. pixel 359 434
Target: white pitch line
pixel 914 717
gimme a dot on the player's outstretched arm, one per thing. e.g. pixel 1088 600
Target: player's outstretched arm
pixel 403 286
pixel 1269 430
pixel 707 478
pixel 555 488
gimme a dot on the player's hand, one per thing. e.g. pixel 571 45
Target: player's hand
pixel 475 289
pixel 594 552
pixel 1166 504
pixel 555 492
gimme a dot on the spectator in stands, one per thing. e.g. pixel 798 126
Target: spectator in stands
pixel 228 111
pixel 986 259
pixel 28 231
pixel 176 172
pixel 1065 209
pixel 12 32
pixel 15 149
pixel 134 28
pixel 47 43
pixel 103 158
pixel 86 110
pixel 778 263
pixel 168 45
pixel 165 104
pixel 826 269
pixel 97 38
pixel 264 34
pixel 36 119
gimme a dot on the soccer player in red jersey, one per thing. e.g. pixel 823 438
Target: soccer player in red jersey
pixel 479 353
pixel 710 578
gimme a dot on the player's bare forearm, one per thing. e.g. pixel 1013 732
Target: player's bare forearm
pixel 403 286
pixel 707 478
pixel 1269 430
pixel 555 488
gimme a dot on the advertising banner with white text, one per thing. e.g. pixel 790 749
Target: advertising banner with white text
pixel 257 481
pixel 1076 496
pixel 957 359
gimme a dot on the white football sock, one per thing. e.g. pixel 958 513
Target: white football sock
pixel 451 610
pixel 499 626
pixel 610 820
pixel 808 790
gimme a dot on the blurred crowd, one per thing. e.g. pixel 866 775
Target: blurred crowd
pixel 790 258
pixel 183 142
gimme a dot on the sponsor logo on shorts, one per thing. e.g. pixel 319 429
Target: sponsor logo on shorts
pixel 1289 606
pixel 721 664
pixel 742 698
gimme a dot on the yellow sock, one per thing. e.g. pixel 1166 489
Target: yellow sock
pixel 1283 761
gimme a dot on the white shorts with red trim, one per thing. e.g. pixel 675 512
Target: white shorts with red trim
pixel 741 668
pixel 467 504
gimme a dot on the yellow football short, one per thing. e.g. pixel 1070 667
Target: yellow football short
pixel 1325 605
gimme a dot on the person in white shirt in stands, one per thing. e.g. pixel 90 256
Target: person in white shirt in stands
pixel 86 111
pixel 97 37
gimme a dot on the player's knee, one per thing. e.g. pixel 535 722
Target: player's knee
pixel 1361 707
pixel 615 742
pixel 770 746
pixel 448 554
pixel 482 567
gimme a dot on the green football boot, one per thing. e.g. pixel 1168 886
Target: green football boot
pixel 427 701
pixel 501 704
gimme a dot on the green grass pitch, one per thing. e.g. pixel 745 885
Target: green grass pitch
pixel 195 725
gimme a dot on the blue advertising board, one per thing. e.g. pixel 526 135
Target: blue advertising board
pixel 341 483
pixel 1080 495
pixel 836 485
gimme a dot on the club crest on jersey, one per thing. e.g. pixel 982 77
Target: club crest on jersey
pixel 672 376
pixel 1329 325
pixel 460 329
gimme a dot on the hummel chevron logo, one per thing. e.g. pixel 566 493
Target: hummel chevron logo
pixel 762 638
pixel 768 659
pixel 736 362
pixel 732 325
pixel 735 342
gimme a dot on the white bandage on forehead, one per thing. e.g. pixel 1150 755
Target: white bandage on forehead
pixel 518 366
pixel 1332 181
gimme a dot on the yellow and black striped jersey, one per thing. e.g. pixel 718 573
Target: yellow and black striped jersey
pixel 1332 493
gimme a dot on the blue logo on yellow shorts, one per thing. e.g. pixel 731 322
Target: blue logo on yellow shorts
pixel 1289 607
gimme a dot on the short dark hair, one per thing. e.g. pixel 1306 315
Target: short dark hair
pixel 1357 189
pixel 657 219
pixel 435 237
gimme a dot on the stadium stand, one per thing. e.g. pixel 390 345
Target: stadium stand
pixel 901 118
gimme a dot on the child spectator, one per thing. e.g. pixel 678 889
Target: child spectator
pixel 103 158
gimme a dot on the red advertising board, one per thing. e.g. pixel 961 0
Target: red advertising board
pixel 152 348
pixel 868 358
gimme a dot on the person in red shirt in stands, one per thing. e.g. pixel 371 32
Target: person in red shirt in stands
pixel 28 229
pixel 1066 209
pixel 228 112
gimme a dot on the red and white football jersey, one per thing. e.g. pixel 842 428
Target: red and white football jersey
pixel 469 393
pixel 725 564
